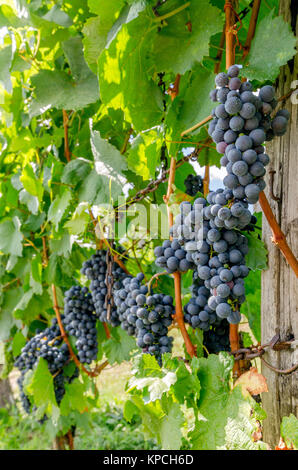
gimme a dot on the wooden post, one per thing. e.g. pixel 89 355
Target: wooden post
pixel 6 396
pixel 279 283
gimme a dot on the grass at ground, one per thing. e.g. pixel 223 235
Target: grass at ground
pixel 111 383
pixel 108 431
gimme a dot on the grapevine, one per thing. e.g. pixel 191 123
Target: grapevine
pixel 138 145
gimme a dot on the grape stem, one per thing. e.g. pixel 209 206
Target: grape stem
pixel 174 91
pixel 44 251
pixel 126 140
pixel 66 142
pixel 229 32
pixel 252 26
pixel 156 276
pixel 206 180
pixel 190 348
pixel 178 317
pixel 278 237
pixel 196 126
pixel 171 180
pixel 106 328
pixel 172 13
pixel 138 261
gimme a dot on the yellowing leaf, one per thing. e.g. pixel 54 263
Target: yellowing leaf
pixel 252 382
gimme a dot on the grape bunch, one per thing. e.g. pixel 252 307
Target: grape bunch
pixel 126 303
pixel 193 184
pixel 187 226
pixel 241 123
pixel 216 339
pixel 242 111
pixel 96 271
pixel 79 321
pixel 145 315
pixel 59 381
pixel 171 256
pixel 245 164
pixel 218 253
pixel 197 312
pixel 224 272
pixel 227 212
pixel 209 230
pixel 49 345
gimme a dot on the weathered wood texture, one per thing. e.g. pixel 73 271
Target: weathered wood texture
pixel 279 284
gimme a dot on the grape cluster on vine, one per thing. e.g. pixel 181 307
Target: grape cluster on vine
pixel 145 315
pixel 197 311
pixel 219 254
pixel 96 271
pixel 209 230
pixel 241 123
pixel 216 339
pixel 49 345
pixel 79 321
pixel 172 257
pixel 193 184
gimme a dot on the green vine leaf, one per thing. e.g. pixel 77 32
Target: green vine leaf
pixel 267 56
pixel 119 64
pixel 76 171
pixel 30 201
pixel 56 89
pixel 188 34
pixel 289 430
pixel 36 274
pixel 251 308
pixel 190 107
pixel 156 386
pixel 11 237
pixel 6 56
pixel 96 29
pixel 170 428
pixel 144 154
pixel 119 347
pixel 31 183
pixel 79 221
pixel 74 398
pixel 18 343
pixel 62 245
pixel 59 206
pixel 234 424
pixel 41 385
pixel 257 253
